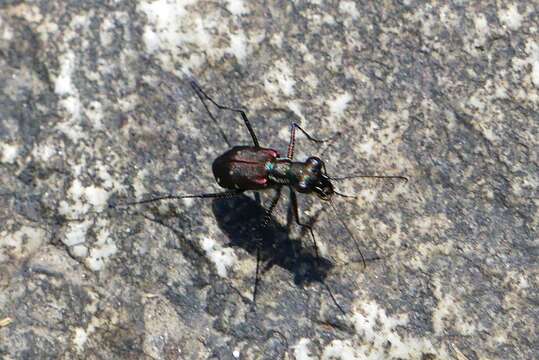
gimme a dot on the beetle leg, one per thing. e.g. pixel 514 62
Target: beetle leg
pixel 292 142
pixel 202 95
pixel 294 200
pixel 274 201
pixel 267 219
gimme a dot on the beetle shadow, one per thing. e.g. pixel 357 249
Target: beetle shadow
pixel 241 219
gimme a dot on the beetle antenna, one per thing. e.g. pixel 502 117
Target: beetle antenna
pixel 347 230
pixel 345 195
pixel 330 142
pixel 223 194
pixel 355 176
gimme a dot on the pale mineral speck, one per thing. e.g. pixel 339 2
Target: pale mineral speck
pixel 76 233
pixel 481 28
pixel 532 48
pixel 43 152
pixel 63 84
pixel 238 46
pixel 79 338
pixel 70 99
pixel 8 153
pixel 138 183
pixel 510 17
pixel 340 349
pixel 96 196
pixel 301 350
pixel 96 260
pixel 349 9
pixel 223 258
pixel 20 243
pixel 280 79
pixel 237 7
pixel 338 106
pixel 377 328
pixel 79 251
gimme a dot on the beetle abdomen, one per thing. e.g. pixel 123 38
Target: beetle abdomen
pixel 244 168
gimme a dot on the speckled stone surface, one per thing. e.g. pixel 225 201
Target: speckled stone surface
pixel 96 108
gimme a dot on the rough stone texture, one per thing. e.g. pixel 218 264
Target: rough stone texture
pixel 96 108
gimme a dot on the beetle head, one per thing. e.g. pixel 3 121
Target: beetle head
pixel 314 180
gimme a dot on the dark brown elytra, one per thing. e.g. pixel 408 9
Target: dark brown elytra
pixel 244 168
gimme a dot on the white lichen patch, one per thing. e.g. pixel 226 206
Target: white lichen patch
pixel 69 95
pixel 432 224
pixel 110 183
pixel 338 105
pixel 96 196
pixel 94 113
pixel 81 335
pixel 296 108
pixel 279 79
pixel 380 340
pixel 21 243
pixel 392 132
pixel 82 199
pixel 44 151
pixel 301 350
pixel 138 184
pixel 164 17
pixel 94 250
pixel 102 249
pixel 6 32
pixel 348 8
pixel 79 251
pixel 368 195
pixel 284 133
pixel 237 7
pixel 341 350
pixel 63 85
pixel 482 29
pixel 8 153
pixel 106 32
pixel 76 233
pixel 238 46
pixel 28 12
pixel 424 252
pixel 223 258
pixel 172 32
pixel 532 60
pixel 448 316
pixel 79 338
pixel 510 16
pixel 366 147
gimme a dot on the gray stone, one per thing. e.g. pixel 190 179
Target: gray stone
pixel 96 109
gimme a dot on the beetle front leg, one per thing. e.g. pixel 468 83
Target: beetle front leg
pixel 291 144
pixel 267 219
pixel 294 200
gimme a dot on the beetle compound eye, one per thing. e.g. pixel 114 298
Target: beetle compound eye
pixel 302 186
pixel 314 165
pixel 314 162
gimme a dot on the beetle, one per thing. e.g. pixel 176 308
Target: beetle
pixel 256 168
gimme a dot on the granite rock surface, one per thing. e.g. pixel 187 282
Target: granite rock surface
pixel 96 109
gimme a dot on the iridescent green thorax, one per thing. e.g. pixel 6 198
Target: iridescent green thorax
pixel 279 171
pixel 304 177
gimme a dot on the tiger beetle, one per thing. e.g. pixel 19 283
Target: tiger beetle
pixel 252 167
